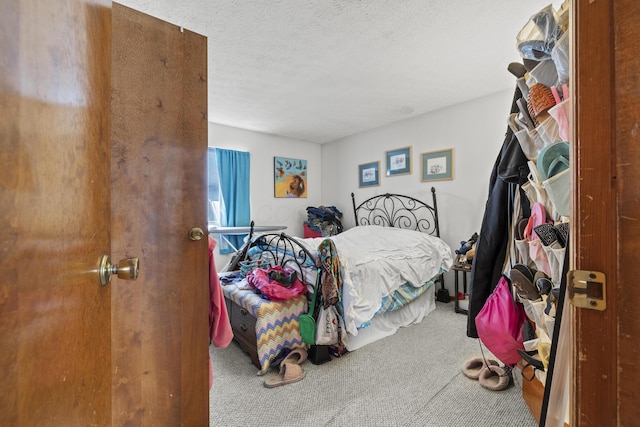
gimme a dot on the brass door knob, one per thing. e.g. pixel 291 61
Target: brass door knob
pixel 196 233
pixel 126 269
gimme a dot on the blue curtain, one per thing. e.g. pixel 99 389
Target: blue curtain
pixel 233 174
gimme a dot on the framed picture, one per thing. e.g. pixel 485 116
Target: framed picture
pixel 399 161
pixel 437 165
pixel 369 174
pixel 290 177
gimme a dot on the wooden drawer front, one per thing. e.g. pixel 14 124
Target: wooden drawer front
pixel 243 324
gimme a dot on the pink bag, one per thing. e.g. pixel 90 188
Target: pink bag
pixel 499 324
pixel 272 289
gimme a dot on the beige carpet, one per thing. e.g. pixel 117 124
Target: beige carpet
pixel 412 378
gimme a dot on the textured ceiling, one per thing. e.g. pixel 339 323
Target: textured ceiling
pixel 320 70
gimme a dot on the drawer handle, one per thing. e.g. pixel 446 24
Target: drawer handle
pixel 243 328
pixel 243 312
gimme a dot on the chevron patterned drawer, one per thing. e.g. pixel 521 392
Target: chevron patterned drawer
pixel 264 328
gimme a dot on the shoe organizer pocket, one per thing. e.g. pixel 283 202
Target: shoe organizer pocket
pixel 535 312
pixel 560 57
pixel 549 323
pixel 561 113
pixel 555 257
pixel 531 143
pixel 535 191
pixel 536 251
pixel 545 73
pixel 522 252
pixel 548 131
pixel 557 188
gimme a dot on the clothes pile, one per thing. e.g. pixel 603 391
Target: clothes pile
pixel 467 250
pixel 325 220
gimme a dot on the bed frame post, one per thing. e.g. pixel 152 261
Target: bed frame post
pixel 353 202
pixel 435 209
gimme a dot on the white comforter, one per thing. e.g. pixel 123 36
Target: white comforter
pixel 378 260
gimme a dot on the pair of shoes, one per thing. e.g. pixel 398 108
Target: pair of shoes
pixel 550 234
pixel 552 302
pixel 495 378
pixel 290 369
pixel 297 356
pixel 546 233
pixel 542 283
pixel 562 231
pixel 553 159
pixel 488 373
pixel 517 69
pixel 289 373
pixel 521 225
pixel 523 279
pixel 537 359
pixel 473 367
pixel 531 360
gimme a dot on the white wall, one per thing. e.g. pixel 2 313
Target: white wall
pixel 475 130
pixel 265 208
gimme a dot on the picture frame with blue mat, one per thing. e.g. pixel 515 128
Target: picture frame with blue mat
pixel 398 161
pixel 437 165
pixel 369 174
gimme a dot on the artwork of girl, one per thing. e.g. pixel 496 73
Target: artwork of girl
pixel 290 177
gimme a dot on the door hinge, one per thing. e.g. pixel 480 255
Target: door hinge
pixel 587 289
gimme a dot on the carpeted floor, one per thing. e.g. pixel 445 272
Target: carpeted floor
pixel 412 378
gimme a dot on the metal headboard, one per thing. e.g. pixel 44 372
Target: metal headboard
pixel 397 210
pixel 285 251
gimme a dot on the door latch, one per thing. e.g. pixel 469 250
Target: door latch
pixel 587 289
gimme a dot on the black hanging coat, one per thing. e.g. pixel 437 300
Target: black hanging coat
pixel 509 171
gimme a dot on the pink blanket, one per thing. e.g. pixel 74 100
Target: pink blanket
pixel 220 331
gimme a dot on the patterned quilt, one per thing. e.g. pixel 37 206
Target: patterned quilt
pixel 277 325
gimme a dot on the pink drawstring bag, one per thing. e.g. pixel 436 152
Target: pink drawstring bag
pixel 499 324
pixel 273 289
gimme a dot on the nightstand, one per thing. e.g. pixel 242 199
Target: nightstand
pixel 464 269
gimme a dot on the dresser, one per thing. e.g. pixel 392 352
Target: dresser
pixel 243 324
pixel 264 328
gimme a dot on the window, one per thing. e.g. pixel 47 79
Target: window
pixel 228 188
pixel 213 209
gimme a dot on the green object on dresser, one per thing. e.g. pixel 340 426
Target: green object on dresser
pixel 307 321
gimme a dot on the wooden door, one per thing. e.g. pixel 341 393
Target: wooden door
pixel 159 122
pixel 606 229
pixel 57 358
pixel 55 319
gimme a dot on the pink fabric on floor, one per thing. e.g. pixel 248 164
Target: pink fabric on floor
pixel 220 331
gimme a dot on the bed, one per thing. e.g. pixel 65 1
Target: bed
pixel 390 265
pixel 267 330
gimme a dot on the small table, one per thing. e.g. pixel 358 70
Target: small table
pixel 465 269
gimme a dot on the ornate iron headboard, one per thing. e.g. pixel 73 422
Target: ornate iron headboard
pixel 397 210
pixel 283 250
